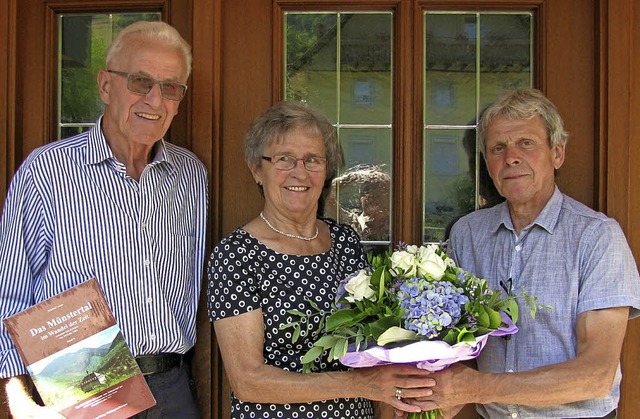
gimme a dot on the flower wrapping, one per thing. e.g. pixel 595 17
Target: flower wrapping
pixel 425 354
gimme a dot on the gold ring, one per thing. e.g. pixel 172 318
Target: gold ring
pixel 399 393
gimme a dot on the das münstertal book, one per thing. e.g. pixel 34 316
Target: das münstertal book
pixel 77 358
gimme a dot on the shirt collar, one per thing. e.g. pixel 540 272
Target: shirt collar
pixel 547 219
pixel 99 151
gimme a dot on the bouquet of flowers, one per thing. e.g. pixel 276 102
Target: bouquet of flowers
pixel 411 306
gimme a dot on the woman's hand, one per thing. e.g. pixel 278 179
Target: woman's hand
pixel 392 384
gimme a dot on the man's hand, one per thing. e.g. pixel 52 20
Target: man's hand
pixel 22 405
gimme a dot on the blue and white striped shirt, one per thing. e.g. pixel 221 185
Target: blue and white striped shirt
pixel 72 214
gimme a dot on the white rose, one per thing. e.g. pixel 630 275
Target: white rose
pixel 359 287
pixel 430 263
pixel 413 249
pixel 405 261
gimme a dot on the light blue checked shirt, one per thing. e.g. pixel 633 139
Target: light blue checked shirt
pixel 72 214
pixel 572 258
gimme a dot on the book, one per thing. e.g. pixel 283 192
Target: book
pixel 77 358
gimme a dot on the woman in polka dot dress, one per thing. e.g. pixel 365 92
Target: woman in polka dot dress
pixel 278 262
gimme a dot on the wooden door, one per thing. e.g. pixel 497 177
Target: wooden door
pixel 568 41
pixel 586 53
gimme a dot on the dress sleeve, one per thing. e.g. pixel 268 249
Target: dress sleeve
pixel 232 284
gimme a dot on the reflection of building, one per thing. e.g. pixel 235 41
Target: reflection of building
pixel 469 58
pixel 92 380
pixel 360 197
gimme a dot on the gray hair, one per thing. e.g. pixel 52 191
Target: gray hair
pixel 524 104
pixel 274 124
pixel 149 31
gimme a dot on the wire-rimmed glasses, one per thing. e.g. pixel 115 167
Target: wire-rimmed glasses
pixel 286 162
pixel 142 85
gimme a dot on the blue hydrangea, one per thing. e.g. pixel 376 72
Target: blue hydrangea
pixel 430 307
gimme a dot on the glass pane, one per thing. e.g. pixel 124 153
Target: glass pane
pixel 361 196
pixel 311 60
pixel 449 183
pixel 469 59
pixel 341 63
pixel 83 41
pixel 505 54
pixel 365 68
pixel 450 73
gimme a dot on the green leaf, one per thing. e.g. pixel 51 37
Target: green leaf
pixel 494 318
pixel 296 334
pixel 326 341
pixel 341 348
pixel 451 337
pixel 380 326
pixel 312 354
pixel 482 317
pixel 296 313
pixel 512 310
pixel 288 325
pixel 344 317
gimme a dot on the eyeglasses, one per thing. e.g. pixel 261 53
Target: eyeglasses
pixel 285 162
pixel 142 85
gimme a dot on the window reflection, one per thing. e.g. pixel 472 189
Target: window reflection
pixel 341 63
pixel 469 59
pixel 364 193
pixel 82 45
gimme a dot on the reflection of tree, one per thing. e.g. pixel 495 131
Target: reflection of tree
pixel 79 101
pixel 361 198
pixel 307 34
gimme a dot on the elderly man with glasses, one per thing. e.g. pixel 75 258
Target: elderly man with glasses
pixel 119 204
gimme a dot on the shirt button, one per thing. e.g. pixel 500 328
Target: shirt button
pixel 147 262
pixel 143 225
pixel 149 300
pixel 514 415
pixel 518 248
pixel 153 337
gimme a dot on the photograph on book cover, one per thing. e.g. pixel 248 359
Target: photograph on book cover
pixel 84 369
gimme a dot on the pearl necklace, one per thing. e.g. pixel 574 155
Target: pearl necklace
pixel 293 236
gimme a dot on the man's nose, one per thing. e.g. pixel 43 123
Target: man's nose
pixel 155 94
pixel 512 154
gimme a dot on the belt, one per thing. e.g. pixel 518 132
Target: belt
pixel 610 415
pixel 156 364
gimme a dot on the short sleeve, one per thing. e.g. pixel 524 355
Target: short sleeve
pixel 231 283
pixel 609 276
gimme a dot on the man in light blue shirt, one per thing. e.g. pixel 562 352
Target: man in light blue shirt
pixel 565 363
pixel 121 205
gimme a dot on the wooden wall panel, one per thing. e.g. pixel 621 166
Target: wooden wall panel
pixel 568 78
pixel 246 93
pixel 620 155
pixel 204 29
pixel 7 93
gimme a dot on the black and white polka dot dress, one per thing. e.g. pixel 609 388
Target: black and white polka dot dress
pixel 244 275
